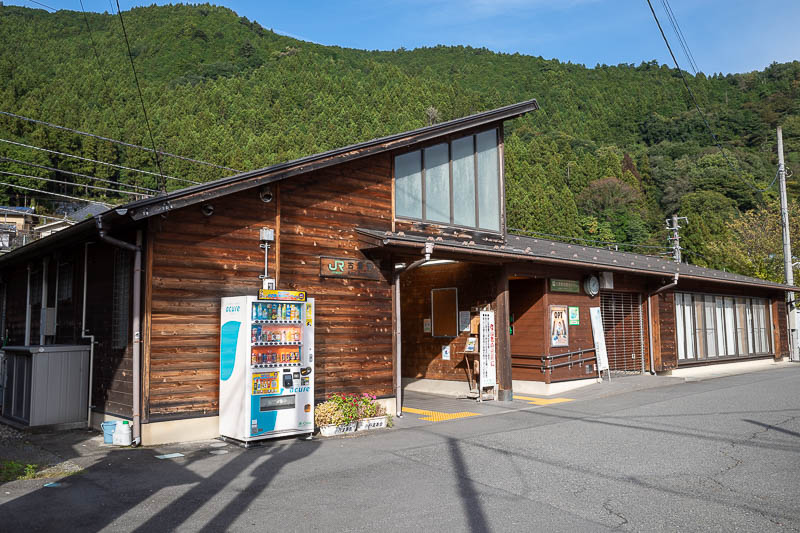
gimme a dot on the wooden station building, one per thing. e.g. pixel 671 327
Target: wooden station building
pixel 418 220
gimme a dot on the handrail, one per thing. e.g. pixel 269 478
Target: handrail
pixel 546 363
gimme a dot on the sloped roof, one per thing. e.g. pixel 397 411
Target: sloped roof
pixel 521 247
pixel 254 178
pixel 88 211
pixel 22 210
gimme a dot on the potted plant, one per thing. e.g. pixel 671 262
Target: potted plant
pixel 347 413
pixel 335 417
pixel 371 415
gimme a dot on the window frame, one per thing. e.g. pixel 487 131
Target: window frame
pixel 448 140
pixel 750 306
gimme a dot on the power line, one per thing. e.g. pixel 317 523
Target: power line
pixel 54 194
pixel 141 100
pixel 115 141
pixel 77 174
pixel 70 183
pixel 43 5
pixel 95 161
pixel 697 106
pixel 679 33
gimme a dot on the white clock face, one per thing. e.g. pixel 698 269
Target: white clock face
pixel 591 286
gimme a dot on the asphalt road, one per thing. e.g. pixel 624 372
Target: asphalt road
pixel 722 455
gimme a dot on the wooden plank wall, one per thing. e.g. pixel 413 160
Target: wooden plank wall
pixel 197 260
pixel 319 214
pixel 422 353
pixel 527 305
pixel 531 300
pixel 783 347
pixel 666 319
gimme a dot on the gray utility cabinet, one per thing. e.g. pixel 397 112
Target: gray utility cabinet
pixel 46 385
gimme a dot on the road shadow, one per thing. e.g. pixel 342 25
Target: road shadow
pixel 128 479
pixel 470 498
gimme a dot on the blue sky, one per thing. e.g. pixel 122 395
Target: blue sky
pixel 723 35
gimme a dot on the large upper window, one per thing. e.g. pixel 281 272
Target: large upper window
pixel 709 326
pixel 456 182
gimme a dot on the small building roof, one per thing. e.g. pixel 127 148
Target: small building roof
pixel 521 247
pixel 88 211
pixel 21 209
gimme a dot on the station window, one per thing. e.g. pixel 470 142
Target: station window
pixel 455 182
pixel 709 326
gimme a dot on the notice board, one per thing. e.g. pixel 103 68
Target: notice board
pixel 444 312
pixel 488 348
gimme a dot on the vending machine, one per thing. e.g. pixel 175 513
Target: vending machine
pixel 266 386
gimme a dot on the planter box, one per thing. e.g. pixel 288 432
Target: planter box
pixel 372 423
pixel 331 430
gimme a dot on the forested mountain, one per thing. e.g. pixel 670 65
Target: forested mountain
pixel 613 151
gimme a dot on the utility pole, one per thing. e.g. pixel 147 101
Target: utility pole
pixel 675 236
pixel 787 252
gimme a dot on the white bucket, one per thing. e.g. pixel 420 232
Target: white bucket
pixel 122 434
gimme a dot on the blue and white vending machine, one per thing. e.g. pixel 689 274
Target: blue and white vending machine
pixel 266 373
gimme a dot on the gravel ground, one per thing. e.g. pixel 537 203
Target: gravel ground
pixel 9 434
pixel 16 446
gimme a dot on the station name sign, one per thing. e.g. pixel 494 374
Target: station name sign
pixel 565 285
pixel 345 267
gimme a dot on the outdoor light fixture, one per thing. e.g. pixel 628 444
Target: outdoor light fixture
pixel 207 209
pixel 265 193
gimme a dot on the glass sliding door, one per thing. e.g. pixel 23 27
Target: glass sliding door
pixel 741 327
pixel 720 316
pixel 730 327
pixel 710 327
pixel 699 326
pixel 681 338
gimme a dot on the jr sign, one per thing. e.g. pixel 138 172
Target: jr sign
pixel 345 267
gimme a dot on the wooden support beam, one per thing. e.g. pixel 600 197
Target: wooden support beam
pixel 502 305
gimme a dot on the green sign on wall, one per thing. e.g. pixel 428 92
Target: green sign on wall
pixel 565 285
pixel 574 316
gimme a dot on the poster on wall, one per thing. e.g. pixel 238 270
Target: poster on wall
pixel 487 346
pixel 559 328
pixel 426 325
pixel 446 353
pixel 599 338
pixel 574 316
pixel 463 321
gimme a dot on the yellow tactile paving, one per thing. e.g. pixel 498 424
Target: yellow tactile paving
pixel 436 416
pixel 541 401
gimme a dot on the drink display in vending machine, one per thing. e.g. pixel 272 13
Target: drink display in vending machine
pixel 266 385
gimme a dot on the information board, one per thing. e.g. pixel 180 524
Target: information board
pixel 488 368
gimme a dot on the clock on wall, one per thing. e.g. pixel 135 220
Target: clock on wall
pixel 591 285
